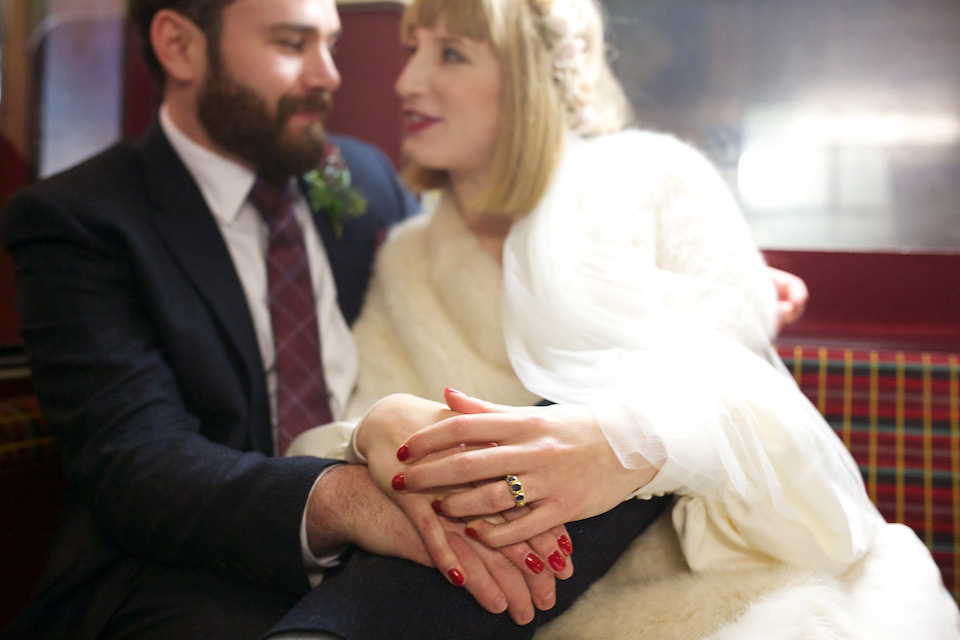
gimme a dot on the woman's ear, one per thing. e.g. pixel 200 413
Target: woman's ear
pixel 179 45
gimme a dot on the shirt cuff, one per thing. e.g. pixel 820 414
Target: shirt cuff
pixel 315 565
pixel 326 441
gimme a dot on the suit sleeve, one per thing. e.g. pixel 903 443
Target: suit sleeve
pixel 136 383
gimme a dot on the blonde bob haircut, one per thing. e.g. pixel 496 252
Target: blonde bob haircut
pixel 533 121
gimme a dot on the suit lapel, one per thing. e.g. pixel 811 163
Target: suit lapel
pixel 190 232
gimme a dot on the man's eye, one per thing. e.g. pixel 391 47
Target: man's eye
pixel 293 45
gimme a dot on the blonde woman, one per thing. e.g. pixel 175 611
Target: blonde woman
pixel 565 257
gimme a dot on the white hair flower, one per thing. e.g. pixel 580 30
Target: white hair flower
pixel 564 31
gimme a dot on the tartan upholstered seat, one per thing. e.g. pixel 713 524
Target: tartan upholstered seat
pixel 24 436
pixel 898 413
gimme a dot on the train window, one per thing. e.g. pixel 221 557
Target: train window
pixel 836 122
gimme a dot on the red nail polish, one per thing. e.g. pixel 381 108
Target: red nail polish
pixel 456 577
pixel 557 561
pixel 472 533
pixel 437 507
pixel 403 453
pixel 534 563
pixel 399 483
pixel 565 545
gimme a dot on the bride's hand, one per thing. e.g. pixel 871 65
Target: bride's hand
pixel 539 560
pixel 559 455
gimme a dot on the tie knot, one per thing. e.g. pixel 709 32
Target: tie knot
pixel 272 199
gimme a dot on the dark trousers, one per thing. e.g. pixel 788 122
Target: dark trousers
pixel 369 597
pixel 378 597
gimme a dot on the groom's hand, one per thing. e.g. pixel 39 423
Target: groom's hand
pixel 347 507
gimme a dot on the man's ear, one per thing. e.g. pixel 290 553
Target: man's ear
pixel 179 45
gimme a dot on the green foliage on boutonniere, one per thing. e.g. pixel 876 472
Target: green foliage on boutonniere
pixel 329 191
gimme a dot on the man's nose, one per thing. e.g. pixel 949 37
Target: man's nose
pixel 320 70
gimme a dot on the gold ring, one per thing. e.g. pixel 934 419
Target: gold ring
pixel 516 489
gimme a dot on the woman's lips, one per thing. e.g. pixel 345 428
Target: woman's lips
pixel 415 121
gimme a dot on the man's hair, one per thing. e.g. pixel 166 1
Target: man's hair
pixel 206 14
pixel 533 121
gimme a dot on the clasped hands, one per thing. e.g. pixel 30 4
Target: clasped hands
pixel 448 478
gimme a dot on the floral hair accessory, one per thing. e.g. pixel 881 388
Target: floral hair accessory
pixel 564 29
pixel 329 191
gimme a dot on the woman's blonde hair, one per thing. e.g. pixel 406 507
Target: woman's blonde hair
pixel 534 112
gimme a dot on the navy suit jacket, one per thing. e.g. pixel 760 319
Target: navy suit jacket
pixel 146 364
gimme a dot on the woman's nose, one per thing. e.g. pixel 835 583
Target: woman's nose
pixel 412 77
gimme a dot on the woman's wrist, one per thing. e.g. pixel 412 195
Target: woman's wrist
pixel 367 429
pixel 637 469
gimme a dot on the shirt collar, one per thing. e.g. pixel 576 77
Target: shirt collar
pixel 224 183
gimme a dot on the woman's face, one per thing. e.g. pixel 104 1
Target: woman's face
pixel 450 89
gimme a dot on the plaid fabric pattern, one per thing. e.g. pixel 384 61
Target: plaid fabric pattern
pixel 24 436
pixel 302 400
pixel 899 415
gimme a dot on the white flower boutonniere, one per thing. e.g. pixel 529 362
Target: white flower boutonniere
pixel 329 191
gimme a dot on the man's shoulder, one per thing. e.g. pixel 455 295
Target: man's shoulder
pixel 105 172
pixel 110 185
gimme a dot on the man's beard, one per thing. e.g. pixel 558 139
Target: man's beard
pixel 239 121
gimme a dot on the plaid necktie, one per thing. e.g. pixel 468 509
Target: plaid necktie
pixel 301 389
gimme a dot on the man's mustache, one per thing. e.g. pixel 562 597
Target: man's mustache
pixel 319 102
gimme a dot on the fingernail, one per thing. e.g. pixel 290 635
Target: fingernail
pixel 403 453
pixel 565 545
pixel 455 392
pixel 549 600
pixel 527 616
pixel 534 563
pixel 399 483
pixel 472 533
pixel 456 577
pixel 557 561
pixel 437 507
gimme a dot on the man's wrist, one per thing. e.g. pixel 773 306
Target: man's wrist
pixel 328 510
pixel 316 564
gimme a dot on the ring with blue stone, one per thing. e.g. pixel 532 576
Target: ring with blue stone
pixel 516 489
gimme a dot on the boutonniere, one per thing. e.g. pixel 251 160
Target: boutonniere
pixel 329 191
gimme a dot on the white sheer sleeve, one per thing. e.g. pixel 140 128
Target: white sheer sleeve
pixel 636 283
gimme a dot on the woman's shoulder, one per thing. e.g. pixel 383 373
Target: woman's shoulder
pixel 411 240
pixel 645 165
pixel 407 231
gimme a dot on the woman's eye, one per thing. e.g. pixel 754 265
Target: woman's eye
pixel 452 55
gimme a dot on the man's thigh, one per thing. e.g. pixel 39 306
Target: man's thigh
pixel 377 597
pixel 178 603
